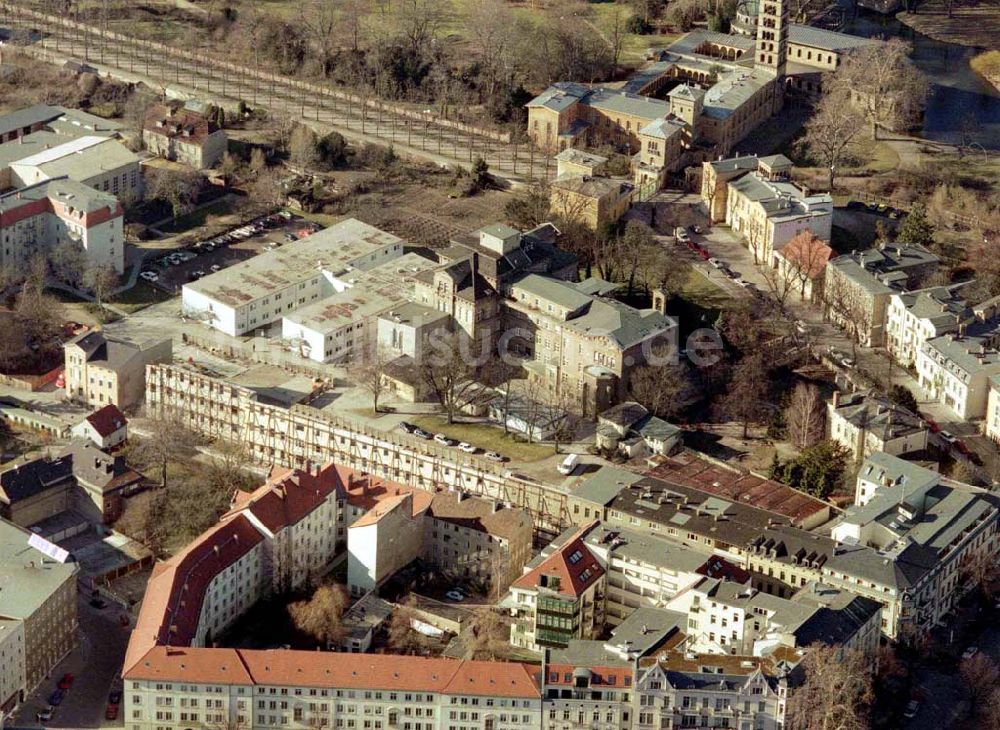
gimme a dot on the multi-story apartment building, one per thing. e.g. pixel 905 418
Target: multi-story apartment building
pixel 582 347
pixel 38 593
pixel 868 423
pixel 857 286
pixel 642 570
pixel 909 544
pixel 917 316
pixel 585 685
pixel 342 327
pixel 298 513
pixel 271 689
pixel 955 368
pixel 52 212
pixel 300 430
pixel 559 597
pixel 596 202
pixel 472 539
pixel 12 664
pixel 102 370
pixel 255 293
pixel 183 135
pixel 98 162
pixel 766 208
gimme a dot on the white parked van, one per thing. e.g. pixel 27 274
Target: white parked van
pixel 569 464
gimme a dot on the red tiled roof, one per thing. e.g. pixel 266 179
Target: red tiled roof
pixel 176 591
pixel 107 420
pixel 604 675
pixel 419 501
pixel 287 496
pixel 332 669
pixel 567 567
pixel 200 665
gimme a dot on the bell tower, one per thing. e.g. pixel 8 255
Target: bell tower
pixel 772 37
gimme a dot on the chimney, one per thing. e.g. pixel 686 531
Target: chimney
pixel 836 398
pixel 961 330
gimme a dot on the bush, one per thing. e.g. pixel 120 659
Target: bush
pixel 638 26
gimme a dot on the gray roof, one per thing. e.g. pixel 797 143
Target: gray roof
pixel 838 618
pixel 28 577
pixel 625 325
pixel 560 96
pixel 596 286
pixel 500 230
pixel 900 569
pixel 646 628
pixel 70 192
pixel 888 470
pixel 826 40
pixel 28 145
pixel 941 306
pixel 28 116
pixel 968 354
pixel 624 414
pixel 657 429
pixel 663 128
pixel 732 91
pixel 734 164
pixel 645 548
pixel 605 484
pixel 580 157
pixel 592 186
pixel 878 415
pixel 586 653
pixel 104 351
pixel 793 546
pixel 81 158
pixel 882 270
pixel 76 122
pixel 560 293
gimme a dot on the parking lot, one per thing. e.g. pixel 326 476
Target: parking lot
pixel 171 269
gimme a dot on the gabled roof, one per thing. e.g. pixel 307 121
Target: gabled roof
pixel 24 481
pixel 107 420
pixel 572 564
pixel 175 593
pixel 288 496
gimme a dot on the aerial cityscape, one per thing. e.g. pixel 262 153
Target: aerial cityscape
pixel 500 364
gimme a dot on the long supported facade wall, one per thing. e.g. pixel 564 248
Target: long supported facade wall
pixel 294 436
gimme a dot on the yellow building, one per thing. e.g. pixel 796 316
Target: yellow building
pixel 594 201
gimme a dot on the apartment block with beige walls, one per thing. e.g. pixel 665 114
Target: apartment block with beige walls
pixel 596 202
pixel 39 592
pixel 583 346
pixel 101 369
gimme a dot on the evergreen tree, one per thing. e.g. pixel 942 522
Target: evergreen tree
pixel 916 228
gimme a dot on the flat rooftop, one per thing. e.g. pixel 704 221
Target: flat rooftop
pixel 371 293
pixel 338 249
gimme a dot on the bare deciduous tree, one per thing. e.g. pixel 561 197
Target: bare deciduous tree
pixel 746 400
pixel 884 86
pixel 101 281
pixel 489 635
pixel 805 416
pixel 320 615
pixel 173 440
pixel 402 637
pixel 836 693
pixel 449 369
pixel 981 676
pixel 370 373
pixel 833 131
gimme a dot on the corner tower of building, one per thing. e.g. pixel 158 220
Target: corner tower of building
pixel 772 37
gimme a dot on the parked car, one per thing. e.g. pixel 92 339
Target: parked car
pixel 56 698
pixel 493 456
pixel 912 708
pixel 681 235
pixel 150 275
pixel 407 427
pixel 422 433
pixel 46 714
pixel 111 713
pixel 705 255
pixel 855 205
pixel 454 596
pixel 970 652
pixel 290 237
pixel 467 447
pixel 444 440
pixel 932 425
pixel 215 268
pixel 947 436
pixel 66 682
pixel 696 229
pixel 716 263
pixel 198 274
pixel 962 448
pixel 801 327
pixel 742 282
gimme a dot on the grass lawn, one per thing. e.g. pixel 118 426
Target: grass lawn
pixel 487 438
pixel 199 217
pixel 699 290
pixel 139 296
pixel 883 159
